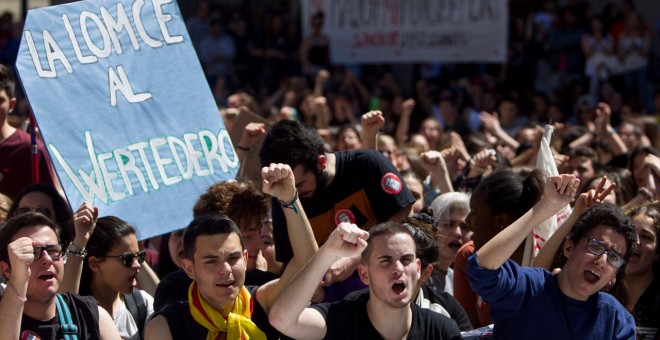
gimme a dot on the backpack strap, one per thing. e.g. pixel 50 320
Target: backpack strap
pixel 69 329
pixel 135 304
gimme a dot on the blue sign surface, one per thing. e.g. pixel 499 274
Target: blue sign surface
pixel 124 108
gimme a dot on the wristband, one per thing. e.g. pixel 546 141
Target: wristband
pixel 291 205
pixel 76 251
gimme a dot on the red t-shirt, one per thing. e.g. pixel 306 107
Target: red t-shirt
pixel 15 165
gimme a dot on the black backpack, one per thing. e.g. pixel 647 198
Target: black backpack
pixel 135 304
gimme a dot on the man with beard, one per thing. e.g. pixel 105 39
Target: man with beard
pixel 360 187
pixel 391 270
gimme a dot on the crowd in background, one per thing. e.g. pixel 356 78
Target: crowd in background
pixel 447 128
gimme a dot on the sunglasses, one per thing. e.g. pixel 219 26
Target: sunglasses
pixel 129 258
pixel 55 251
pixel 44 211
pixel 595 247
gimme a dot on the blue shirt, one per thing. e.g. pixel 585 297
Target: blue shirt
pixel 526 303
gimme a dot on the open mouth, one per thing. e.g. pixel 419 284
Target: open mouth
pixel 591 276
pixel 635 257
pixel 46 276
pixel 226 284
pixel 454 245
pixel 398 287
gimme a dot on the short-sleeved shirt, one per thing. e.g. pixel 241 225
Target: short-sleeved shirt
pixel 349 319
pixel 366 189
pixel 84 313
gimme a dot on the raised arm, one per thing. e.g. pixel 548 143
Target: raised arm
pixel 605 132
pixel 546 255
pixel 492 124
pixel 401 134
pixel 371 122
pixel 147 279
pixel 21 254
pixel 558 191
pixel 84 222
pixel 290 313
pixel 434 163
pixel 107 327
pixel 279 182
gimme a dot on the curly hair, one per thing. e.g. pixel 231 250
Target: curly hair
pixel 242 202
pixel 608 215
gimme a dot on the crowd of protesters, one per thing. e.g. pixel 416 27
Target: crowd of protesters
pixel 387 201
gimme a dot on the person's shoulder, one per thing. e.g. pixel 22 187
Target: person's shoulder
pixel 174 311
pixel 19 137
pixel 75 298
pixel 609 302
pixel 148 299
pixel 427 322
pixel 366 155
pixel 343 308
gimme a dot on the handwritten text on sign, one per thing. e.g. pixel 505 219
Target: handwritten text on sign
pixel 124 108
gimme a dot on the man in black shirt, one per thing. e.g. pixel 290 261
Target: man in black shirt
pixel 32 259
pixel 361 187
pixel 390 268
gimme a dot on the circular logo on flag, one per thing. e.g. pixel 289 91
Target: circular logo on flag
pixel 29 335
pixel 344 215
pixel 391 184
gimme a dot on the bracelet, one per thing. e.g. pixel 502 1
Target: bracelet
pixel 23 299
pixel 243 148
pixel 291 205
pixel 76 251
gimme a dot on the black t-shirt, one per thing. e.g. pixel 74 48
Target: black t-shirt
pixel 174 286
pixel 647 312
pixel 449 303
pixel 348 319
pixel 366 189
pixel 84 314
pixel 183 326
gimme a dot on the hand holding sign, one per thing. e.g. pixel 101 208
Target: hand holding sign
pixel 122 74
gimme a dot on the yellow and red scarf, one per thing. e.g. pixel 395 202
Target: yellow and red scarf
pixel 237 325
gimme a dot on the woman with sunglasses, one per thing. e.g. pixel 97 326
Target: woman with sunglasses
pixel 110 274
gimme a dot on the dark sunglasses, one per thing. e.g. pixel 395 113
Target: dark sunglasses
pixel 129 258
pixel 44 211
pixel 614 258
pixel 55 251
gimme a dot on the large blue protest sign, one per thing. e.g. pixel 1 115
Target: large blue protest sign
pixel 124 108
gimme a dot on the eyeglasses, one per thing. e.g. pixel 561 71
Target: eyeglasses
pixel 42 210
pixel 129 258
pixel 597 248
pixel 54 251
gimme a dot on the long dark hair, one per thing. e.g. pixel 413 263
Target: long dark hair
pixel 108 232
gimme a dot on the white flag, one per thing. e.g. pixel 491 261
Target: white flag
pixel 541 233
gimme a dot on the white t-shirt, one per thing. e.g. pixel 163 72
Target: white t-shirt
pixel 128 329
